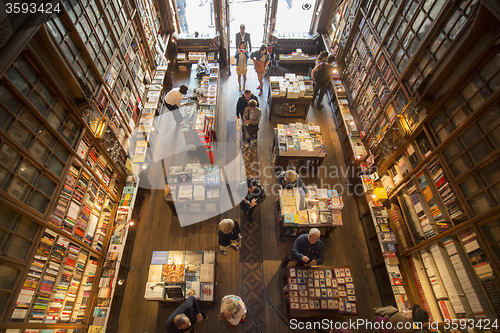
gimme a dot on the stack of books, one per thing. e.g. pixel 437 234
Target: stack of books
pixel 300 139
pixel 194 182
pixel 291 86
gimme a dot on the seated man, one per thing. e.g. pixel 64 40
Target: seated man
pixel 307 249
pixel 185 317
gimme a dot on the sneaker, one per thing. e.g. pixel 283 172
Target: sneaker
pixel 204 315
pixel 258 87
pixel 260 93
pixel 236 247
pixel 224 252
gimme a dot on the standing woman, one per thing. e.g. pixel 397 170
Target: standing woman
pixel 229 235
pixel 321 57
pixel 233 309
pixel 241 63
pixel 261 60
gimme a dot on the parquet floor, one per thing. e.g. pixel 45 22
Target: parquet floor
pixel 252 272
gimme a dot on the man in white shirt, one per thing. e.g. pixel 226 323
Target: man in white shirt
pixel 173 101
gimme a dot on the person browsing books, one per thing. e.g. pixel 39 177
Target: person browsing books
pixel 289 179
pixel 322 74
pixel 173 101
pixel 229 235
pixel 232 309
pixel 254 195
pixel 307 249
pixel 185 317
pixel 251 119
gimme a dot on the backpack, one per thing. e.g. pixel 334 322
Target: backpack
pixel 322 75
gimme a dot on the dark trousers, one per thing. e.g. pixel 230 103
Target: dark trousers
pixel 176 113
pixel 321 91
pixel 246 209
pixel 289 257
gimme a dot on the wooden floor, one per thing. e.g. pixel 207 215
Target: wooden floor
pixel 253 274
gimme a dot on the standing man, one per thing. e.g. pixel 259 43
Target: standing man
pixel 173 101
pixel 255 194
pixel 243 102
pixel 307 249
pixel 185 317
pixel 251 119
pixel 243 36
pixel 322 74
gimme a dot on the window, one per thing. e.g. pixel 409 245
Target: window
pixel 438 47
pixel 409 30
pixel 43 99
pixel 468 100
pixel 383 15
pixel 89 24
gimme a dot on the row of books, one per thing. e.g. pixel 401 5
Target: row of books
pixel 291 86
pixel 108 279
pixel 321 206
pixel 450 200
pixel 300 139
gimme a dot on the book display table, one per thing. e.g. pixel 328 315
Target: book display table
pixel 320 291
pixel 193 187
pixel 290 95
pixel 298 144
pixel 321 209
pixel 175 275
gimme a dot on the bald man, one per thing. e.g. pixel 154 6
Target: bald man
pixel 185 317
pixel 307 249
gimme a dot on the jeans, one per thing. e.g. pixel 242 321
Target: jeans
pixel 321 90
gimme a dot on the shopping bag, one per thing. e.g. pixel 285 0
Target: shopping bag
pixel 238 124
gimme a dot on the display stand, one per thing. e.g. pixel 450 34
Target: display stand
pixel 176 275
pixel 297 214
pixel 320 292
pixel 298 145
pixel 290 96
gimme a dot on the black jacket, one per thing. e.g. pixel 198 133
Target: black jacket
pixel 189 308
pixel 243 103
pixel 225 239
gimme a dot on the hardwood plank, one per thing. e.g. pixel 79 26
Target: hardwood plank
pixel 159 230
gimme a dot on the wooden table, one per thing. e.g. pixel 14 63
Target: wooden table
pixel 298 158
pixel 288 107
pixel 322 289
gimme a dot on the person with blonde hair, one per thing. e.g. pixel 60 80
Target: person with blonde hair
pixel 229 235
pixel 233 310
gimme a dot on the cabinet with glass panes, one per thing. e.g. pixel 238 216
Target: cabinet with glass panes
pixel 442 174
pixel 55 173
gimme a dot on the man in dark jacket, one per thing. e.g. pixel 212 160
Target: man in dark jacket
pixel 307 249
pixel 185 317
pixel 243 102
pixel 255 194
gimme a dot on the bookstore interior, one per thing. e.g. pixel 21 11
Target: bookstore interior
pixel 103 231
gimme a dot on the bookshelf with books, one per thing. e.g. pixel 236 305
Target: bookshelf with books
pixel 111 266
pixel 430 139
